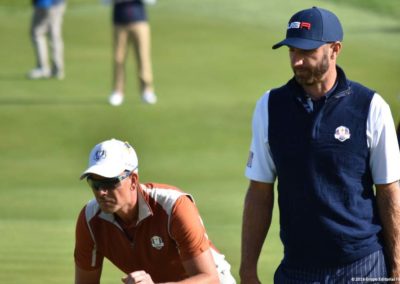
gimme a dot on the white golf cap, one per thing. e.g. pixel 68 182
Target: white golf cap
pixel 110 158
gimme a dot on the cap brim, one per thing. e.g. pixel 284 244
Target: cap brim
pixel 300 43
pixel 107 172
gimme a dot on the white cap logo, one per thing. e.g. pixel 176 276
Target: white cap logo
pixel 157 242
pixel 342 133
pixel 101 154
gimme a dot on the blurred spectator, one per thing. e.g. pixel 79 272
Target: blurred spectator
pixel 47 21
pixel 131 26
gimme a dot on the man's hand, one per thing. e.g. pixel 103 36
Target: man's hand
pixel 138 277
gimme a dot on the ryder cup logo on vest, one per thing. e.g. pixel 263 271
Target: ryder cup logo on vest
pixel 157 242
pixel 101 154
pixel 342 133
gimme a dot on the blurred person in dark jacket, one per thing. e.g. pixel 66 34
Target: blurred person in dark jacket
pixel 130 26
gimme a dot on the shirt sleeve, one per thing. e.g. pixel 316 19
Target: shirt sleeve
pixel 85 253
pixel 381 138
pixel 187 229
pixel 260 166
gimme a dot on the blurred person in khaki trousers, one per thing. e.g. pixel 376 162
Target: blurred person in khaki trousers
pixel 47 20
pixel 131 27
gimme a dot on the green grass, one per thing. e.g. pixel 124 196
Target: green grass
pixel 383 7
pixel 212 61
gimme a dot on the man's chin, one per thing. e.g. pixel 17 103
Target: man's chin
pixel 304 81
pixel 107 208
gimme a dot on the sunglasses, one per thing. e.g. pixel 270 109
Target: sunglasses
pixel 107 184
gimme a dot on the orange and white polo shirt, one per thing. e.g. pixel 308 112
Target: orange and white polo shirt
pixel 169 230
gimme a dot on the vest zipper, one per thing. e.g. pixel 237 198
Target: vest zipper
pixel 317 121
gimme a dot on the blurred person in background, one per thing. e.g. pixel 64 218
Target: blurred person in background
pixel 152 232
pixel 46 23
pixel 130 26
pixel 328 141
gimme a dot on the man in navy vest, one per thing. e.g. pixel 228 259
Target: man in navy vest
pixel 327 140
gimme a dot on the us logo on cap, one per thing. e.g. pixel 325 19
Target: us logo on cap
pixel 342 133
pixel 299 25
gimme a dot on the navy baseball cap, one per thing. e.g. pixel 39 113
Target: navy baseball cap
pixel 311 28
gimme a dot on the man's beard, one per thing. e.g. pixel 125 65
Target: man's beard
pixel 308 76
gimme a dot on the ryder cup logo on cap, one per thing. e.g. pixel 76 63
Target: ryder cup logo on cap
pixel 101 154
pixel 311 28
pixel 110 158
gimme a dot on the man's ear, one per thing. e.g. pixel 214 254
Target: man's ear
pixel 336 47
pixel 134 177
